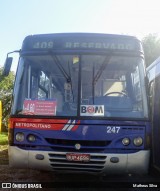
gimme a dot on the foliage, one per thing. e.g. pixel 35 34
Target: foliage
pixel 151 45
pixel 6 88
pixel 3 138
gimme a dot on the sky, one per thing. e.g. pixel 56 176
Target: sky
pixel 20 18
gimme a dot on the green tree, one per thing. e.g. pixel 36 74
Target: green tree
pixel 151 45
pixel 6 88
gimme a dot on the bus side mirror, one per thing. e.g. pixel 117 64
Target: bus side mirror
pixel 7 66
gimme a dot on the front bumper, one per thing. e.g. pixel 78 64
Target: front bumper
pixel 106 163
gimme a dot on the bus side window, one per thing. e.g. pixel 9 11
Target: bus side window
pixel 136 85
pixel 34 87
pixel 151 92
pixel 44 84
pixel 39 85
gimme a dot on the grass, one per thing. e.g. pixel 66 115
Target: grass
pixel 4 148
pixel 4 138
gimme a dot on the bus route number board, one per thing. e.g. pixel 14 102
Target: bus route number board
pixel 78 157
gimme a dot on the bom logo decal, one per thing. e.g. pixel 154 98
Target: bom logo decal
pixel 92 110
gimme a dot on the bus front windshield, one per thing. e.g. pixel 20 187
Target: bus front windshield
pixel 80 86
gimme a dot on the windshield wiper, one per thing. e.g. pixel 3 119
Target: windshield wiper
pixel 67 77
pixel 98 74
pixel 102 68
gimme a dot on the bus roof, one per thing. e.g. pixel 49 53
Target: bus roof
pixel 83 35
pixel 95 41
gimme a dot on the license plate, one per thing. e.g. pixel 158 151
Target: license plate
pixel 78 157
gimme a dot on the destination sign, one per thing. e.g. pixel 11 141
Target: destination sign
pixel 42 42
pixel 88 45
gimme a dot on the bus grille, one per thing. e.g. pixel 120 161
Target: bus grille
pixel 83 143
pixel 59 162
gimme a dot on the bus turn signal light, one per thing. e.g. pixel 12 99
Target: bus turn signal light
pixel 126 141
pixel 138 141
pixel 31 138
pixel 19 137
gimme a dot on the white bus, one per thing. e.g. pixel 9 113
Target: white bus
pixel 153 73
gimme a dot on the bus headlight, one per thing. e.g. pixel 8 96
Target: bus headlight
pixel 19 137
pixel 138 141
pixel 31 138
pixel 126 141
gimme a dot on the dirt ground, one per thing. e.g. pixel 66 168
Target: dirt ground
pixel 22 176
pixel 9 175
